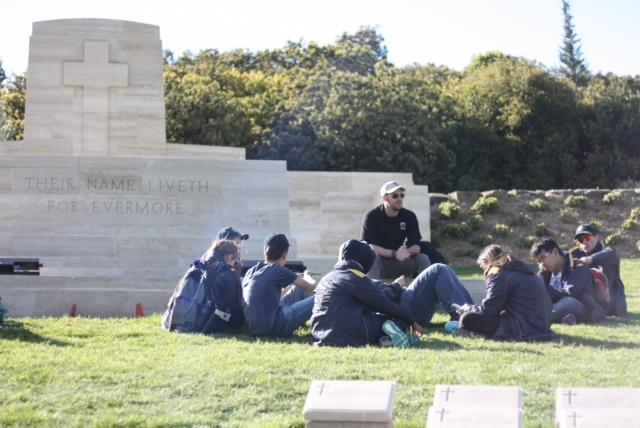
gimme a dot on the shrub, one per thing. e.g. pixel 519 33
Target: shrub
pixel 526 241
pixel 629 224
pixel 567 215
pixel 635 214
pixel 521 219
pixel 598 225
pixel 460 231
pixel 485 205
pixel 541 230
pixel 482 240
pixel 575 201
pixel 449 210
pixel 512 192
pixel 613 239
pixel 538 205
pixel 501 230
pixel 611 197
pixel 475 221
pixel 468 252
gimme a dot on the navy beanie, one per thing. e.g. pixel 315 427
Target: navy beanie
pixel 358 251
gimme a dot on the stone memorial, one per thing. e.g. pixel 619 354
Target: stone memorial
pixel 596 407
pixel 477 396
pixel 477 417
pixel 349 404
pixel 598 417
pixel 115 213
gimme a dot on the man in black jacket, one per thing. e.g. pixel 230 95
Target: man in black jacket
pixel 590 252
pixel 571 288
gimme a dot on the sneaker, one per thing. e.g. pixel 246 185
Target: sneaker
pixel 398 337
pixel 451 325
pixel 461 332
pixel 569 319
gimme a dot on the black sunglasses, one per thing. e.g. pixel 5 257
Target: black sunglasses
pixel 397 195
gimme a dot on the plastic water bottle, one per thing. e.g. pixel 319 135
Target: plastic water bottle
pixel 451 326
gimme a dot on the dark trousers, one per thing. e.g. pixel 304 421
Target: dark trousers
pixel 479 323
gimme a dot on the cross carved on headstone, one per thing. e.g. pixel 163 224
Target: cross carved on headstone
pixel 96 75
pixel 442 413
pixel 575 417
pixel 447 392
pixel 570 394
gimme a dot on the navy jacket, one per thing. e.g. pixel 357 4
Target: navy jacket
pixel 224 289
pixel 518 298
pixel 349 308
pixel 609 260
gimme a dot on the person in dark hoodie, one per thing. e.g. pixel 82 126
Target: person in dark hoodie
pixel 571 288
pixel 350 308
pixel 516 306
pixel 591 253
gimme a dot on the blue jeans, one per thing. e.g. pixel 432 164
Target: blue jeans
pixel 436 284
pixel 295 310
pixel 568 305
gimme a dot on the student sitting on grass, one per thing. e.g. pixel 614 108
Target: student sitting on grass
pixel 572 289
pixel 351 309
pixel 516 307
pixel 272 307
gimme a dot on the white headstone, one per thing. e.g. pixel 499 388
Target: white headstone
pixel 598 417
pixel 477 417
pixel 335 403
pixel 481 395
pixel 593 398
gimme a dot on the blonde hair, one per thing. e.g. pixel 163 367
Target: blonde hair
pixel 494 255
pixel 222 247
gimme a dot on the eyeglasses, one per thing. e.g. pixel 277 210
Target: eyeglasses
pixel 397 195
pixel 583 238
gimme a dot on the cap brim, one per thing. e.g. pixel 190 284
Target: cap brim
pixel 394 189
pixel 581 234
pixel 244 237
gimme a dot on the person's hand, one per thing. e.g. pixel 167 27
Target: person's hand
pixel 401 280
pixel 464 308
pixel 402 253
pixel 586 261
pixel 417 329
pixel 307 277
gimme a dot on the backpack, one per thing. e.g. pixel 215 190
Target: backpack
pixel 186 302
pixel 601 289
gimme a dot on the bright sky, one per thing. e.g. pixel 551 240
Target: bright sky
pixel 447 32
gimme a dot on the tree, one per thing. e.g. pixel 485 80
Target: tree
pixel 2 73
pixel 574 65
pixel 12 105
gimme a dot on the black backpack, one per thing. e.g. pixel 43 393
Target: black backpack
pixel 187 301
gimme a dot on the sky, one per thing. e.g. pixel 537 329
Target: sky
pixel 443 32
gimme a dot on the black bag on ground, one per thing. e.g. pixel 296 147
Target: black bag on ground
pixel 186 302
pixel 430 250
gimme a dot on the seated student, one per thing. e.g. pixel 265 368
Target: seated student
pixel 231 234
pixel 516 307
pixel 591 253
pixel 351 309
pixel 571 288
pixel 271 307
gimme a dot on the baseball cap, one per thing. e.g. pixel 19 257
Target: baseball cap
pixel 585 229
pixel 231 233
pixel 390 187
pixel 276 241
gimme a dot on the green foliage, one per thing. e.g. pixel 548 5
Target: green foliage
pixel 475 221
pixel 629 224
pixel 611 197
pixel 512 193
pixel 482 240
pixel 575 201
pixel 538 205
pixel 449 210
pixel 573 63
pixel 541 230
pixel 465 252
pixel 458 231
pixel 522 219
pixel 597 224
pixel 526 241
pixel 12 107
pixel 614 238
pixel 568 215
pixel 635 214
pixel 501 231
pixel 485 205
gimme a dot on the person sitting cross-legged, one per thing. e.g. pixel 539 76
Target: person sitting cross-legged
pixel 277 301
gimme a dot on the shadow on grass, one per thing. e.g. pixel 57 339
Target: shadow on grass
pixel 594 343
pixel 632 319
pixel 15 330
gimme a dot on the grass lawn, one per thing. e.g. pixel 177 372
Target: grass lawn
pixel 129 372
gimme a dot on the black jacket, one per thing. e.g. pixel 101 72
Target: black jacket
pixel 349 307
pixel 518 297
pixel 223 293
pixel 609 260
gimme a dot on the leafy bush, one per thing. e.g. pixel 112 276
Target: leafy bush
pixel 460 231
pixel 613 239
pixel 538 205
pixel 629 224
pixel 574 201
pixel 568 215
pixel 541 230
pixel 449 210
pixel 512 192
pixel 501 230
pixel 521 219
pixel 611 197
pixel 635 214
pixel 475 221
pixel 598 224
pixel 482 240
pixel 526 241
pixel 486 205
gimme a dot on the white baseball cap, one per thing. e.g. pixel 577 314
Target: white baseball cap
pixel 390 187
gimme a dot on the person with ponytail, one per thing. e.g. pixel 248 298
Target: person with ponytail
pixel 516 307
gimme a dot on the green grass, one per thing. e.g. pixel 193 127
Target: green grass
pixel 128 372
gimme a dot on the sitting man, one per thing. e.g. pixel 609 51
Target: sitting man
pixel 394 235
pixel 590 252
pixel 233 235
pixel 571 288
pixel 351 309
pixel 272 307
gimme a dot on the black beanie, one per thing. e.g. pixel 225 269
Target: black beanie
pixel 358 251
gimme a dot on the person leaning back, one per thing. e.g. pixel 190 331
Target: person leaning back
pixel 394 234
